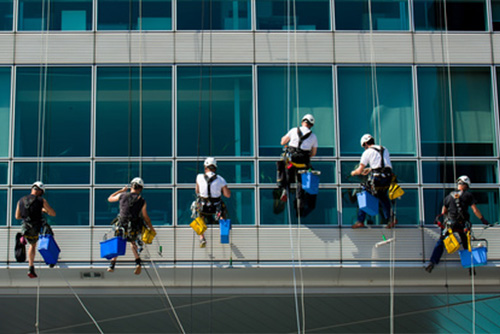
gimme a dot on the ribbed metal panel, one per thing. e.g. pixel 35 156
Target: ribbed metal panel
pixel 164 239
pixel 461 48
pixel 5 245
pixel 493 236
pixel 281 47
pixel 387 48
pixel 54 48
pixel 6 49
pixel 495 39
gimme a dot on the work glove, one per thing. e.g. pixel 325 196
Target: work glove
pixel 484 221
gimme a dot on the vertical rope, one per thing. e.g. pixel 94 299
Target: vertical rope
pixel 141 133
pixel 377 127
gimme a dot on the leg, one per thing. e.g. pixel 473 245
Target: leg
pixel 133 247
pixel 31 260
pixel 112 264
pixel 360 220
pixel 436 255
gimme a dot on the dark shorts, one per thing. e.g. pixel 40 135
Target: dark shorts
pixel 31 231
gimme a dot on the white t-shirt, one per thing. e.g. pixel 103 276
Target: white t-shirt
pixel 215 187
pixel 371 158
pixel 307 144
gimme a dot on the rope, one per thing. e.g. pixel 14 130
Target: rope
pixel 37 313
pixel 140 90
pixel 373 69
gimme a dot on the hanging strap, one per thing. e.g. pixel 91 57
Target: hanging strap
pixel 381 152
pixel 209 181
pixel 302 137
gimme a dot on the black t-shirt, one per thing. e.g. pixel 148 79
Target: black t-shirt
pixel 458 205
pixel 30 207
pixel 131 206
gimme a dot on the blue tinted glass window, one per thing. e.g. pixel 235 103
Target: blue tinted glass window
pixel 267 171
pixel 64 15
pixel 52 172
pixel 134 15
pixel 6 15
pixel 4 172
pixel 280 15
pixel 487 203
pixel 231 171
pixel 325 212
pixel 445 172
pixel 4 111
pixel 388 115
pixel 473 131
pixel 315 97
pixel 71 206
pixel 495 13
pixel 465 15
pixel 406 171
pixel 120 117
pixel 123 172
pixel 61 121
pixel 213 15
pixel 386 14
pixel 218 120
pixel 3 207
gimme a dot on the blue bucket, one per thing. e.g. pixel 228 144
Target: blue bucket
pixel 479 257
pixel 310 183
pixel 113 247
pixel 368 203
pixel 49 249
pixel 225 227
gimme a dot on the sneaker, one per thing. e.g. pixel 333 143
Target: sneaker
pixel 138 269
pixel 358 225
pixel 429 267
pixel 31 273
pixel 203 243
pixel 52 265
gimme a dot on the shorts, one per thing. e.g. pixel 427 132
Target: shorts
pixel 31 231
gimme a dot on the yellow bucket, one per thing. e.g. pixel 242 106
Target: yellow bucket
pixel 198 225
pixel 148 235
pixel 395 191
pixel 451 243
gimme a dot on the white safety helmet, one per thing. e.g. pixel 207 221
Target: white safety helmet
pixel 366 137
pixel 39 185
pixel 464 179
pixel 309 118
pixel 210 161
pixel 137 181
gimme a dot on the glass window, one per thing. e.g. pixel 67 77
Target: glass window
pixel 123 172
pixel 445 172
pixel 231 171
pixel 495 13
pixel 461 15
pixel 3 207
pixel 52 172
pixel 4 111
pixel 64 15
pixel 473 132
pixel 6 15
pixel 268 171
pixel 383 98
pixel 277 15
pixel 71 206
pixel 120 129
pixel 241 206
pixel 386 14
pixel 315 97
pixel 4 172
pixel 127 14
pixel 218 120
pixel 213 15
pixel 158 205
pixel 487 203
pixel 406 171
pixel 61 121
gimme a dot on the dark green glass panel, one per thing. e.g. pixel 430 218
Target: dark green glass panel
pixel 213 15
pixel 66 15
pixel 453 15
pixel 386 14
pixel 134 15
pixel 299 15
pixel 325 212
pixel 59 127
pixel 6 15
pixel 445 172
pixel 218 121
pixel 5 110
pixel 3 207
pixel 487 203
pixel 267 171
pixel 231 171
pixel 406 171
pixel 495 13
pixel 52 172
pixel 388 116
pixel 120 119
pixel 123 172
pixel 241 206
pixel 4 172
pixel 471 131
pixel 315 97
pixel 71 206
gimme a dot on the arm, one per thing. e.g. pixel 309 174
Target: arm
pixel 18 212
pixel 314 150
pixel 115 197
pixel 360 170
pixel 479 214
pixel 444 210
pixel 197 190
pixel 48 209
pixel 226 192
pixel 285 139
pixel 146 218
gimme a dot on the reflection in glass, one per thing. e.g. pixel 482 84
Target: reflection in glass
pixel 445 172
pixel 6 15
pixel 123 172
pixel 279 15
pixel 65 15
pixel 3 207
pixel 386 14
pixel 52 172
pixel 4 110
pixel 4 172
pixel 461 15
pixel 134 15
pixel 213 15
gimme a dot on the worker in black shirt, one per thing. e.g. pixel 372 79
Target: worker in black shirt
pixel 456 207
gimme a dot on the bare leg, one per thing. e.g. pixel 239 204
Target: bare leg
pixel 133 247
pixel 31 261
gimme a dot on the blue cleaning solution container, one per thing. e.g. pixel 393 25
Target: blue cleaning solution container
pixel 113 247
pixel 224 227
pixel 310 183
pixel 368 203
pixel 479 257
pixel 47 246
